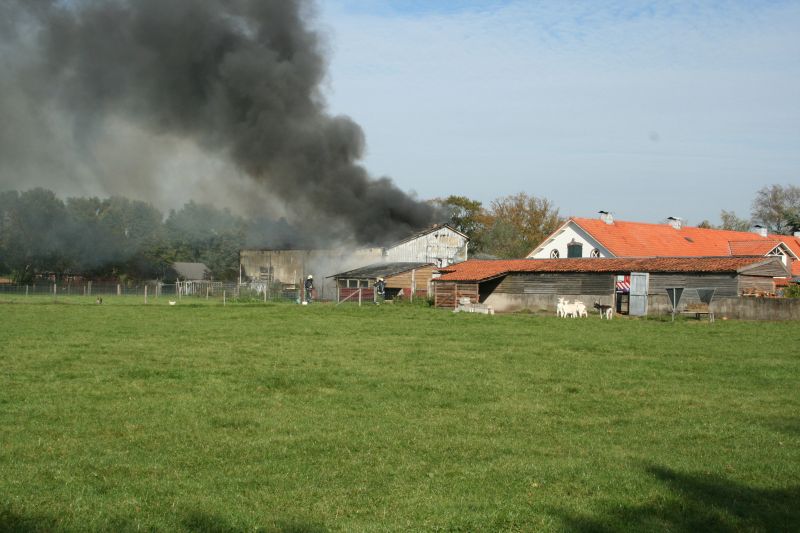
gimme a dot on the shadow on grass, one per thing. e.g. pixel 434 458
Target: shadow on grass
pixel 701 503
pixel 12 521
pixel 209 523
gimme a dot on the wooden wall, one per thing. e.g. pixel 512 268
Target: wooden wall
pixel 422 279
pixel 567 283
pixel 447 293
pixel 726 285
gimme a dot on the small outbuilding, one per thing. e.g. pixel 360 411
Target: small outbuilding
pixel 403 279
pixel 536 284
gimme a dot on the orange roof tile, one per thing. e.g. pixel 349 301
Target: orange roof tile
pixel 639 239
pixel 481 270
pixel 753 247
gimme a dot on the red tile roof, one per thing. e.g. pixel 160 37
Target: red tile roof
pixel 481 270
pixel 639 239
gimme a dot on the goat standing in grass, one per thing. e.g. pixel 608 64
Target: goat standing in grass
pixel 606 311
pixel 560 312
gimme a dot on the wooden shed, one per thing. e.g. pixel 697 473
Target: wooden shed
pixel 537 284
pixel 407 279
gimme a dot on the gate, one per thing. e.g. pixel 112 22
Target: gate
pixel 638 294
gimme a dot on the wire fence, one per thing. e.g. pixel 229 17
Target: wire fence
pixel 156 291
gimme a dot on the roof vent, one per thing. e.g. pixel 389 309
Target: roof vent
pixel 675 222
pixel 606 217
pixel 761 230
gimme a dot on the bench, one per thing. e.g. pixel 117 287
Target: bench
pixel 698 310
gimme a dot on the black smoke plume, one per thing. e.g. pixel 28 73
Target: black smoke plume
pixel 239 79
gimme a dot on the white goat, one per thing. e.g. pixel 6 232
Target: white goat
pixel 580 307
pixel 560 307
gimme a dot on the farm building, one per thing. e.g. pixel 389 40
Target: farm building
pixel 439 245
pixel 189 271
pixel 606 237
pixel 536 285
pixel 402 279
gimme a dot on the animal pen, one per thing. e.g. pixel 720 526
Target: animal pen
pixel 536 284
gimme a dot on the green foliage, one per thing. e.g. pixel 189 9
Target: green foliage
pixel 468 217
pixel 518 223
pixel 391 418
pixel 792 291
pixel 114 237
pixel 777 207
pixel 732 222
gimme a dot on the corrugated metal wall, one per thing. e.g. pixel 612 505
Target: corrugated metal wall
pixel 441 247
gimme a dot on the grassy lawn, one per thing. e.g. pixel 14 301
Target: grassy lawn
pixel 281 417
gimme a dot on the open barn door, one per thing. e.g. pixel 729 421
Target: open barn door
pixel 638 294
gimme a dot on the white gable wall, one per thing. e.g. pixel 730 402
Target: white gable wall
pixel 441 246
pixel 563 236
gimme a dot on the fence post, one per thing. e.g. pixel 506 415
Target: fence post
pixel 224 302
pixel 55 290
pixel 359 296
pixel 26 290
pixel 89 287
pixel 145 294
pixel 265 293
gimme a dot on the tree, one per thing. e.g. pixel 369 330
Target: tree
pixel 777 207
pixel 518 223
pixel 732 222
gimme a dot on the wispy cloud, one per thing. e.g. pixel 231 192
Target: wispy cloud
pixel 593 104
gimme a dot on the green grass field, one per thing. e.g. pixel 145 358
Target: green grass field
pixel 280 417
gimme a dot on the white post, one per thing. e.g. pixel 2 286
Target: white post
pixel 26 290
pixel 119 290
pixel 145 294
pixel 223 299
pixel 413 284
pixel 359 296
pixel 90 288
pixel 207 287
pixel 265 294
pixel 338 293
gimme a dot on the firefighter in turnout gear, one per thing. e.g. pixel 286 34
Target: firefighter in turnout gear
pixel 380 290
pixel 309 287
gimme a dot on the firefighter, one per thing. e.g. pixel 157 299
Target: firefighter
pixel 380 290
pixel 309 286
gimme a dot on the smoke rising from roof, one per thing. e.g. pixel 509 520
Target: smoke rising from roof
pixel 100 96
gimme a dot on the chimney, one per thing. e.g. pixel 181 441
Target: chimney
pixel 606 217
pixel 761 230
pixel 675 222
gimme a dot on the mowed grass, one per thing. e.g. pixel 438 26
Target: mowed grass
pixel 281 417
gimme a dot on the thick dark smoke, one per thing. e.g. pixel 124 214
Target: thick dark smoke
pixel 240 79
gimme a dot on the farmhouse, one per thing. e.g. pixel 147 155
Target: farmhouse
pixel 526 284
pixel 606 237
pixel 439 245
pixel 402 279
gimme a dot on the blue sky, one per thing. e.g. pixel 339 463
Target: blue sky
pixel 647 109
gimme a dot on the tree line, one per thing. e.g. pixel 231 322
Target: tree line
pixel 119 238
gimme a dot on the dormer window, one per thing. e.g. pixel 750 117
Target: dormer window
pixel 778 252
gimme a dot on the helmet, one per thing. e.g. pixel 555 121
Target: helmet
pixel 310 276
